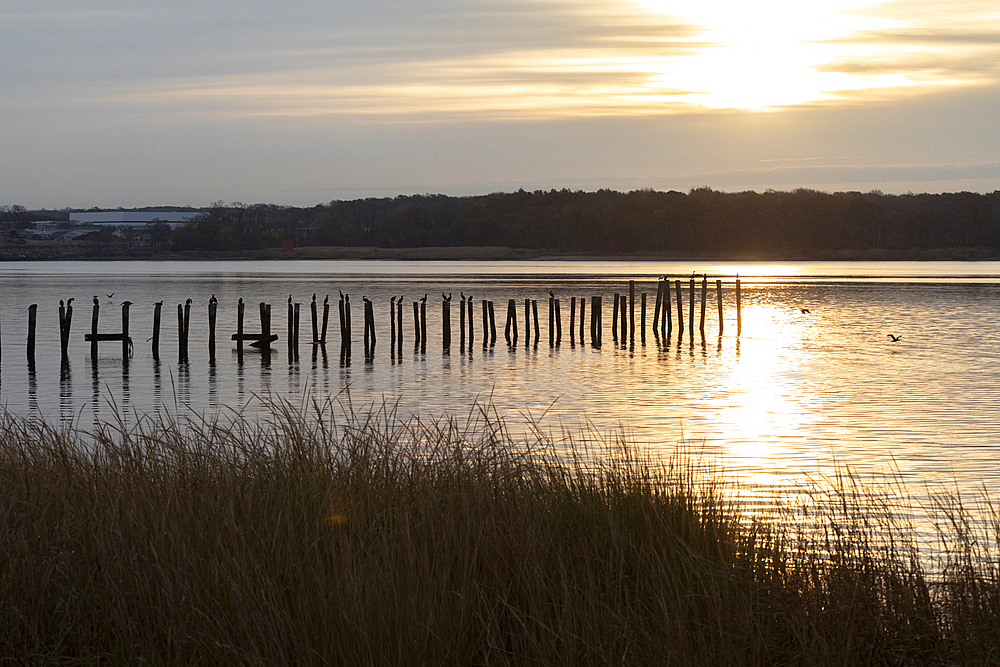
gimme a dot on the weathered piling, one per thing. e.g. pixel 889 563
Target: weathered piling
pixel 624 322
pixel 347 322
pixel 631 311
pixel 291 334
pixel 691 309
pixel 718 302
pixel 704 298
pixel 511 322
pixel 157 311
pixel 181 353
pixel 399 323
pixel 295 332
pixel 558 324
pixel 461 322
pixel 326 318
pixel 656 308
pixel 423 324
pixel 240 310
pixel 416 325
pixel 65 322
pixel 534 316
pixel 614 316
pixel 265 332
pixel 392 326
pixel 666 315
pixel 213 308
pixel 471 330
pixel 486 323
pixel 32 319
pixel 493 326
pixel 446 321
pixel 739 308
pixel 126 341
pixel 680 310
pixel 369 328
pixel 527 322
pixel 583 315
pixel 313 311
pixel 552 320
pixel 642 317
pixel 593 320
pixel 572 320
pixel 93 328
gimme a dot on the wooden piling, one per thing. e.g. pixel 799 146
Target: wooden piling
pixel 366 327
pixel 399 322
pixel 704 298
pixel 471 330
pixel 93 329
pixel 315 318
pixel 739 308
pixel 461 323
pixel 446 322
pixel 187 326
pixel 493 326
pixel 718 302
pixel 667 315
pixel 326 318
pixel 511 321
pixel 240 310
pixel 527 322
pixel 213 308
pixel 180 333
pixel 295 332
pixel 291 335
pixel 392 325
pixel 157 309
pixel 583 308
pixel 347 322
pixel 656 308
pixel 486 323
pixel 593 320
pixel 642 317
pixel 416 325
pixel 552 321
pixel 534 316
pixel 691 309
pixel 32 319
pixel 126 341
pixel 572 320
pixel 631 311
pixel 558 324
pixel 680 310
pixel 423 324
pixel 624 322
pixel 265 330
pixel 614 316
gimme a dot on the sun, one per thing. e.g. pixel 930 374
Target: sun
pixel 768 53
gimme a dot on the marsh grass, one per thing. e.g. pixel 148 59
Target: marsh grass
pixel 314 537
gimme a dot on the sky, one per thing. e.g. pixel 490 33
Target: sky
pixel 298 102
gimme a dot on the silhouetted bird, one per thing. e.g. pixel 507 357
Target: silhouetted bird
pixel 424 300
pixel 552 294
pixel 326 300
pixel 126 303
pixel 61 304
pixel 895 339
pixel 96 302
pixel 188 302
pixel 69 301
pixel 158 303
pixel 805 311
pixel 110 295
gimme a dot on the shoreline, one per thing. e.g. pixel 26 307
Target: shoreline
pixel 9 253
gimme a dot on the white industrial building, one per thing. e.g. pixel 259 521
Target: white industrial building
pixel 131 218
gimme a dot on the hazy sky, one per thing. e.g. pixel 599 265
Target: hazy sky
pixel 114 103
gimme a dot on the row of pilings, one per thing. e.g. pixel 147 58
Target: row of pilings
pixel 623 322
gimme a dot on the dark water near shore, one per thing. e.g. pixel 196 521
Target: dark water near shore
pixel 792 396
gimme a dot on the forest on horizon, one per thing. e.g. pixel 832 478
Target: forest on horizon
pixel 704 221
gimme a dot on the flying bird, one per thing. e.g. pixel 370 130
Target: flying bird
pixel 895 339
pixel 805 311
pixel 110 295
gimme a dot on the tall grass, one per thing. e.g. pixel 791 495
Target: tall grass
pixel 370 539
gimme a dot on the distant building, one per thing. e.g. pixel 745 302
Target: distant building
pixel 132 218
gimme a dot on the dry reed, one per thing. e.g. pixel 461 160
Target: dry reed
pixel 369 539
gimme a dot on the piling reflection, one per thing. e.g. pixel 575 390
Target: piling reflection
pixel 66 407
pixel 32 388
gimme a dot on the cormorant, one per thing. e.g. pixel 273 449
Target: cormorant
pixel 895 339
pixel 96 302
pixel 61 304
pixel 69 301
pixel 552 294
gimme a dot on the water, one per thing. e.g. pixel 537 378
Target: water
pixel 779 406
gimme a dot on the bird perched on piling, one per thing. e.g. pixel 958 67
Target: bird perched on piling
pixel 61 304
pixel 158 303
pixel 895 339
pixel 552 294
pixel 69 301
pixel 96 302
pixel 326 300
pixel 446 298
pixel 189 301
pixel 424 300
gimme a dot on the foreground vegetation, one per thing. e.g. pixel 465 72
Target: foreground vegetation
pixel 369 539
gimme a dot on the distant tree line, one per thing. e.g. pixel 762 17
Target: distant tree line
pixel 703 221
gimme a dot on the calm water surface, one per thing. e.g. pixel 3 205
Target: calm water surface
pixel 793 395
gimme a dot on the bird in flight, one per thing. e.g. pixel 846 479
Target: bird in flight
pixel 805 311
pixel 895 339
pixel 110 295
